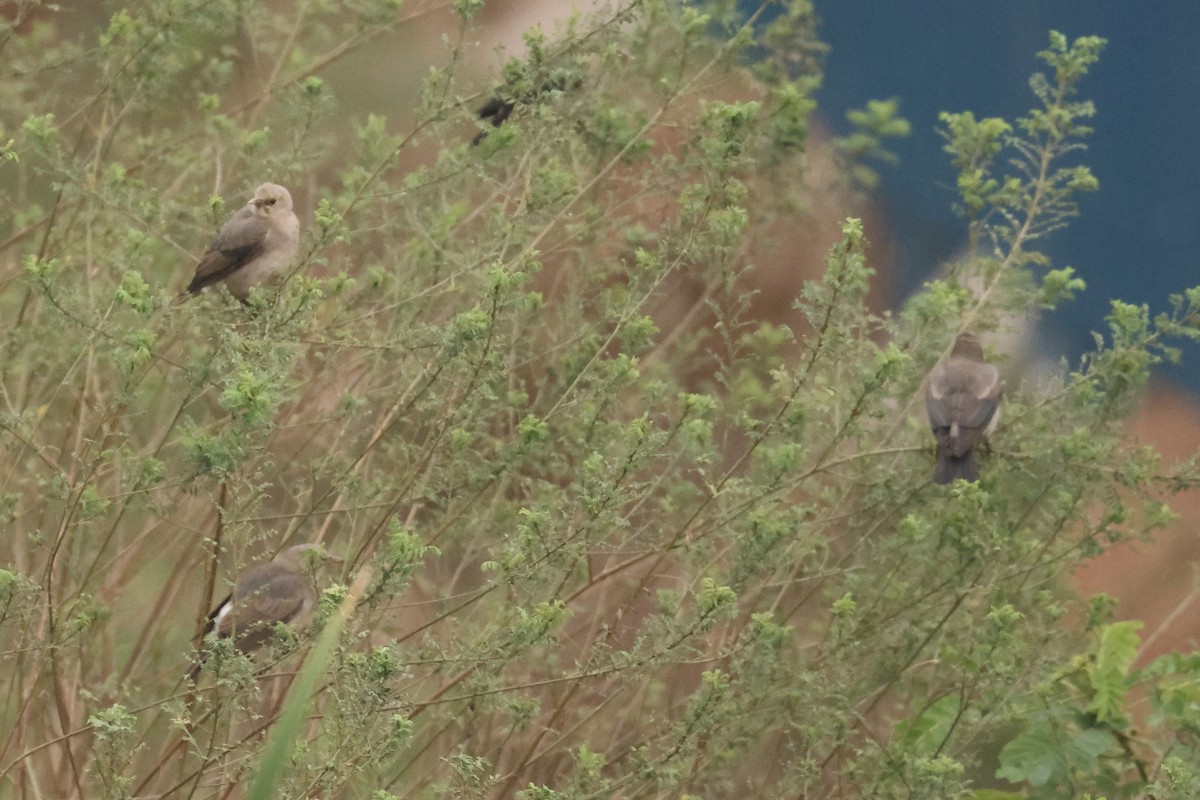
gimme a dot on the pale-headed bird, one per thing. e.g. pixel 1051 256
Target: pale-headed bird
pixel 963 400
pixel 257 244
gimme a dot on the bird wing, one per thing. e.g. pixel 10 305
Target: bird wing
pixel 264 595
pixel 965 396
pixel 496 109
pixel 211 621
pixel 986 397
pixel 935 406
pixel 240 241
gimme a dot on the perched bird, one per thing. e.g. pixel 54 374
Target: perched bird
pixel 263 595
pixel 254 246
pixel 496 110
pixel 499 107
pixel 963 399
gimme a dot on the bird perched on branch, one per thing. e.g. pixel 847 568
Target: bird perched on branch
pixel 264 595
pixel 500 106
pixel 963 399
pixel 257 244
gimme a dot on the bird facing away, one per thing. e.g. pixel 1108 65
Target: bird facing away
pixel 264 595
pixel 963 399
pixel 257 243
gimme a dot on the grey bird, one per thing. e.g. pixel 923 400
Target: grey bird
pixel 962 398
pixel 263 595
pixel 257 244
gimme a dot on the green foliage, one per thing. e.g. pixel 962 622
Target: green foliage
pixel 610 529
pixel 877 122
pixel 1108 676
pixel 114 729
pixel 1038 196
pixel 275 757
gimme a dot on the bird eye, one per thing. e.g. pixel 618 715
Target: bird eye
pixel 271 201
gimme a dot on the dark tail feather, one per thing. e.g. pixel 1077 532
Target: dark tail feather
pixel 201 650
pixel 950 468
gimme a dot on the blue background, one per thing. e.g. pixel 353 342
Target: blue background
pixel 1136 239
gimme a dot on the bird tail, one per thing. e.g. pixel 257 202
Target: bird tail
pixel 950 468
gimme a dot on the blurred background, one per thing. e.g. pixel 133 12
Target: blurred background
pixel 1136 239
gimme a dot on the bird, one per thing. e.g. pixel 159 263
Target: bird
pixel 257 243
pixel 500 107
pixel 496 110
pixel 962 397
pixel 263 595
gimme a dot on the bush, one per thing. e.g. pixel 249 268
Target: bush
pixel 597 545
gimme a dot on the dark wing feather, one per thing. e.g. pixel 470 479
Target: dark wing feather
pixel 202 654
pixel 240 241
pixel 987 397
pixel 265 594
pixel 938 403
pixel 497 110
pixel 212 617
pixel 936 408
pixel 964 393
pixel 982 413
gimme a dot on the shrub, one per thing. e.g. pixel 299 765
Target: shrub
pixel 597 544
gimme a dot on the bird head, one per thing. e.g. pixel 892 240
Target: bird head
pixel 307 557
pixel 966 345
pixel 271 197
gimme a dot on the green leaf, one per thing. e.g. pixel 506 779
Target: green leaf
pixel 1084 750
pixel 927 732
pixel 1034 756
pixel 1108 675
